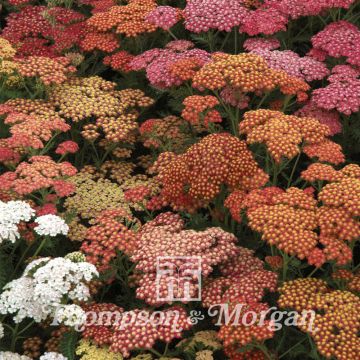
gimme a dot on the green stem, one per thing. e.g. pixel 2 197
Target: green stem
pixel 293 169
pixel 293 347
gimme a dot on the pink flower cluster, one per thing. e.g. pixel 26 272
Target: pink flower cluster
pixel 266 21
pixel 298 8
pixel 343 92
pixel 157 64
pixel 223 15
pixel 329 118
pixel 339 39
pixel 124 331
pixel 305 68
pixel 164 17
pixel 165 237
pixel 261 44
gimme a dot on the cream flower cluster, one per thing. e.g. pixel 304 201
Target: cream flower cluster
pixel 46 285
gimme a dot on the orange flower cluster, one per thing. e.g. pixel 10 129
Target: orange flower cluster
pixel 126 19
pixel 186 68
pixel 247 73
pixel 93 40
pixel 284 135
pixel 200 110
pixel 108 235
pixel 289 220
pixel 115 111
pixel 39 173
pixel 195 177
pixel 49 70
pixel 336 320
pixel 31 130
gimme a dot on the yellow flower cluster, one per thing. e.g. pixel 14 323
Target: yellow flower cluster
pixel 8 67
pixel 115 111
pixel 88 351
pixel 94 195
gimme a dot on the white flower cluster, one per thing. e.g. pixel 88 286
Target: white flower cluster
pixel 1 331
pixel 51 225
pixel 11 213
pixel 52 356
pixel 7 355
pixel 70 315
pixel 44 288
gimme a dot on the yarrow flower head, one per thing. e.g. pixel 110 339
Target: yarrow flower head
pixel 223 15
pixel 200 110
pixel 39 173
pixel 339 39
pixel 343 92
pixel 164 17
pixel 284 134
pixel 160 65
pixel 11 214
pixel 329 118
pixel 165 237
pixel 50 225
pixel 246 73
pixel 266 21
pixel 305 68
pixel 8 355
pixel 40 292
pixel 122 336
pixel 337 316
pixel 259 43
pixel 223 158
pixel 52 356
pixel 67 147
pixel 129 19
pixel 88 351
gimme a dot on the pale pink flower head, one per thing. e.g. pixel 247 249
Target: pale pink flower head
pixel 305 68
